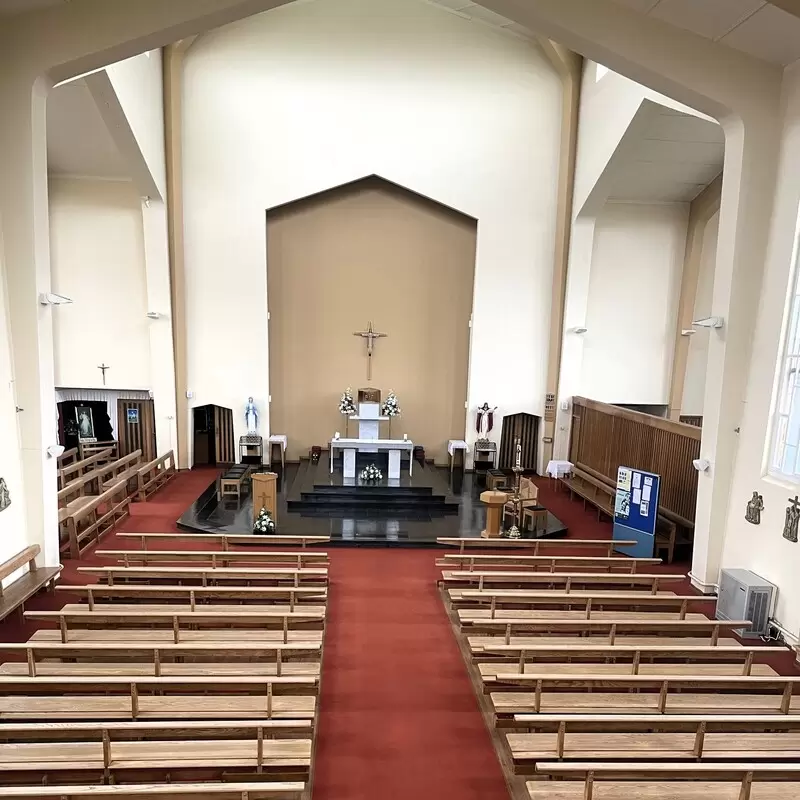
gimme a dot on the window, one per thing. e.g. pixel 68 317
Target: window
pixel 784 458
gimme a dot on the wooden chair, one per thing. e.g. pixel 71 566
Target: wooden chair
pixel 14 595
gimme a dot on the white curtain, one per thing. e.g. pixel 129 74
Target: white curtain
pixel 107 396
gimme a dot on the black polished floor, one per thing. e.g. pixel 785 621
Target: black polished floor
pixel 398 522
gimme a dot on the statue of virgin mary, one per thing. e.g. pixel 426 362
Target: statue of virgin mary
pixel 251 416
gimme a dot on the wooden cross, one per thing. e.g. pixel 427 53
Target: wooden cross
pixel 103 369
pixel 370 335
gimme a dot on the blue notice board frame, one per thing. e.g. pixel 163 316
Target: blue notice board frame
pixel 636 510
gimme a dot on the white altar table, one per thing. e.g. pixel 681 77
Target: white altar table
pixel 394 446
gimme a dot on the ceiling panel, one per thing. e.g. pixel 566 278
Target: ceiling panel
pixel 677 127
pixel 676 152
pixel 772 34
pixel 8 7
pixel 709 18
pixel 639 5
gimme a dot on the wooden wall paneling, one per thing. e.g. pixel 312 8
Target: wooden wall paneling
pixel 139 435
pixel 223 435
pixel 526 428
pixel 605 437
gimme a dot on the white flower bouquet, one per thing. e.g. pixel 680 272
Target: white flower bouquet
pixel 391 408
pixel 370 474
pixel 264 524
pixel 346 404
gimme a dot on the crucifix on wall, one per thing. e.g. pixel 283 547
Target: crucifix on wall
pixel 370 335
pixel 103 367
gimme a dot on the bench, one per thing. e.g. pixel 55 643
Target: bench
pixel 14 594
pixel 235 790
pixel 587 601
pixel 143 658
pixel 155 474
pixel 551 563
pixel 477 642
pixel 125 469
pixel 191 595
pixel 564 580
pixel 640 781
pixel 79 616
pixel 85 525
pixel 231 482
pixel 475 616
pixel 205 576
pixel 611 628
pixel 227 539
pixel 221 637
pixel 71 472
pixel 67 457
pixel 538 545
pixel 217 559
pixel 628 694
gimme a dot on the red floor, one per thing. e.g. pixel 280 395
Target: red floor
pixel 399 719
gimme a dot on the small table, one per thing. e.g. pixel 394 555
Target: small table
pixel 494 513
pixel 557 469
pixel 487 447
pixel 537 515
pixel 230 484
pixel 278 439
pixel 457 448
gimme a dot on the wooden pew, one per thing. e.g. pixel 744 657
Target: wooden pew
pixel 235 790
pixel 85 525
pixel 584 601
pixel 538 545
pixel 652 737
pixel 73 620
pixel 661 781
pixel 644 639
pixel 217 559
pixel 35 754
pixel 635 694
pixel 552 563
pixel 15 594
pixel 127 697
pixel 611 628
pixel 317 576
pixel 225 540
pixel 155 474
pixel 203 595
pixel 67 457
pixel 175 660
pixel 566 581
pixel 72 472
pixel 125 469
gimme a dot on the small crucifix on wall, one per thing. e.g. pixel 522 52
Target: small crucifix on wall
pixel 370 335
pixel 103 367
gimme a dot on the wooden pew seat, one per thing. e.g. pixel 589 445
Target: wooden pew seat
pixel 477 642
pixel 537 545
pixel 216 559
pixel 472 616
pixel 228 539
pixel 661 790
pixel 296 669
pixel 204 575
pixel 26 585
pixel 489 670
pixel 234 790
pixel 155 636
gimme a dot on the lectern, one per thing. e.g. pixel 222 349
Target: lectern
pixel 265 494
pixel 494 513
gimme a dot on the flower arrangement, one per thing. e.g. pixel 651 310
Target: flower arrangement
pixel 346 404
pixel 264 523
pixel 391 408
pixel 370 474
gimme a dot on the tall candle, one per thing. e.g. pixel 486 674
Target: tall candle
pixel 519 454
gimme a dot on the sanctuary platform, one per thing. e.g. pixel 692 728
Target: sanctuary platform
pixel 431 507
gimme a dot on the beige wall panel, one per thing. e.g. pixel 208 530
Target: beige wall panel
pixel 369 251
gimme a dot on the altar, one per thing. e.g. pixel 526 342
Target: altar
pixel 369 440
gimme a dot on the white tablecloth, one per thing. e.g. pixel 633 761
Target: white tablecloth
pixel 280 439
pixel 456 444
pixel 555 469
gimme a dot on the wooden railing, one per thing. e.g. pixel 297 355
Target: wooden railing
pixel 604 437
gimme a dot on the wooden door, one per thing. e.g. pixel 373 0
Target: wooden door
pixel 136 426
pixel 223 436
pixel 524 427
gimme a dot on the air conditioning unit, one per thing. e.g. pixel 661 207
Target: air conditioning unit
pixel 745 595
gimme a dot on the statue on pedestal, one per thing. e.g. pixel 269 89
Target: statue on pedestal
pixel 251 417
pixel 484 421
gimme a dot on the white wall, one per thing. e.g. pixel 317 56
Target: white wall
pixel 313 95
pixel 97 253
pixel 633 293
pixel 12 521
pixel 695 380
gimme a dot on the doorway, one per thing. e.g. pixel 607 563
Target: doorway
pixel 213 436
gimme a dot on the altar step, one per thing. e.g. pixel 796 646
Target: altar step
pixel 317 490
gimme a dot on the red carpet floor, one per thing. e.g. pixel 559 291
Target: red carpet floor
pixel 399 719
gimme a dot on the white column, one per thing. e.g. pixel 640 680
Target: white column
pixel 394 465
pixel 750 169
pixel 349 463
pixel 159 300
pixel 24 212
pixel 576 307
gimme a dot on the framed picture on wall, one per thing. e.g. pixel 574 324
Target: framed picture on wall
pixel 85 420
pixel 133 415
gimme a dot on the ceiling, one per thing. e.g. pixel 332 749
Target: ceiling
pixel 477 13
pixel 665 157
pixel 755 27
pixel 78 141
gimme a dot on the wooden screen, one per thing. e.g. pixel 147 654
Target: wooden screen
pixel 526 428
pixel 136 428
pixel 605 437
pixel 223 436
